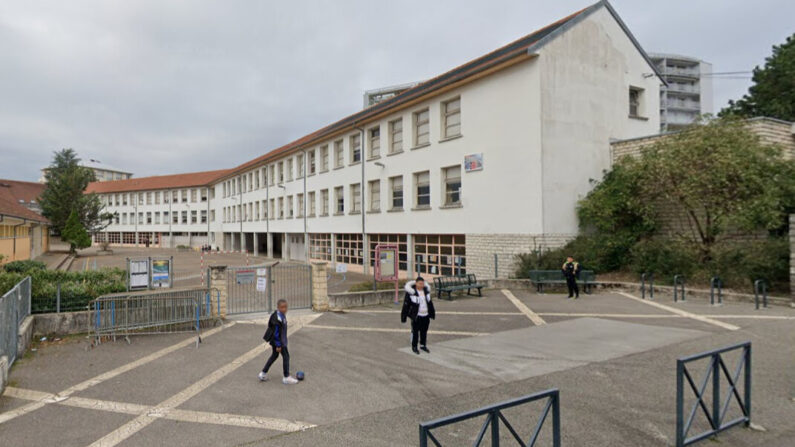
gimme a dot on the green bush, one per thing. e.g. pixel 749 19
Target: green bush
pixel 601 254
pixel 662 257
pixel 740 264
pixel 77 288
pixel 24 266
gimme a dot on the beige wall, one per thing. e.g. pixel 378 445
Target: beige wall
pixel 32 241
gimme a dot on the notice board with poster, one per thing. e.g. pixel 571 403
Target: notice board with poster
pixel 386 265
pixel 137 274
pixel 473 162
pixel 161 273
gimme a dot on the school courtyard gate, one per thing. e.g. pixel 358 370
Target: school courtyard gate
pixel 257 288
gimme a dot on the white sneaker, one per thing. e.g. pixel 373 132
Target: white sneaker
pixel 262 376
pixel 289 380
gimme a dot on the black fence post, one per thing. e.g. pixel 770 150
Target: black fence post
pixel 679 281
pixel 680 403
pixel 495 428
pixel 643 286
pixel 747 387
pixel 715 283
pixel 651 285
pixel 760 286
pixel 556 419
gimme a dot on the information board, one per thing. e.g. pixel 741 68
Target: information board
pixel 161 273
pixel 138 274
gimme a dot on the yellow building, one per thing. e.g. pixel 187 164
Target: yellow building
pixel 24 233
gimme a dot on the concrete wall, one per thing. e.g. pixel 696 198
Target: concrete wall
pixel 341 301
pixel 481 249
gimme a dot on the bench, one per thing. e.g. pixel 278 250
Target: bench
pixel 587 279
pixel 450 284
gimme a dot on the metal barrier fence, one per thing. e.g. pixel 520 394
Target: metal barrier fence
pixel 257 288
pixel 14 307
pixel 149 313
pixel 493 417
pixel 719 407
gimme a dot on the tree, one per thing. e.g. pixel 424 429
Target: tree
pixel 723 178
pixel 75 233
pixel 66 182
pixel 773 91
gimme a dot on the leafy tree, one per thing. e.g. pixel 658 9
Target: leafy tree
pixel 725 180
pixel 75 233
pixel 773 91
pixel 66 182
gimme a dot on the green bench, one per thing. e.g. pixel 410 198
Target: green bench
pixel 540 277
pixel 450 284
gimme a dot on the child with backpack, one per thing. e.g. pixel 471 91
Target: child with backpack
pixel 276 335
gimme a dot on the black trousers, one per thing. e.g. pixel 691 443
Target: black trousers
pixel 419 331
pixel 574 289
pixel 285 360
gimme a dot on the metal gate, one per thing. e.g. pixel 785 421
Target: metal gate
pixel 253 289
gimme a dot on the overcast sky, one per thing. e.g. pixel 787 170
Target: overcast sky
pixel 158 87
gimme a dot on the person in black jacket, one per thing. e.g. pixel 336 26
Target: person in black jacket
pixel 418 307
pixel 571 270
pixel 276 335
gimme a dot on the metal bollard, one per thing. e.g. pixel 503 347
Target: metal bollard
pixel 650 278
pixel 760 285
pixel 715 282
pixel 679 281
pixel 496 267
pixel 58 299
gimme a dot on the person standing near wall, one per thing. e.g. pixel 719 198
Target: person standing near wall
pixel 571 271
pixel 418 308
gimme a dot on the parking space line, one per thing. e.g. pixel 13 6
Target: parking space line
pixel 438 312
pixel 385 329
pixel 599 315
pixel 166 407
pixel 537 320
pixel 683 313
pixel 201 417
pixel 33 406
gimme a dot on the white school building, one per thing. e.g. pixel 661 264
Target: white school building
pixel 488 158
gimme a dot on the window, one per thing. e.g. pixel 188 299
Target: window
pixel 281 172
pixel 157 197
pixel 311 155
pixel 149 217
pixel 635 101
pixel 356 148
pixel 175 217
pixel 204 194
pixel 140 198
pixel 149 198
pixel 349 248
pixel 250 181
pixel 356 198
pixel 264 210
pixel 264 176
pixel 437 254
pixel 193 216
pixel 422 184
pixel 165 216
pixel 193 195
pixel 324 202
pixel 140 218
pixel 374 135
pixel 338 155
pixel 124 199
pixel 339 200
pixel 212 215
pixel 184 196
pixel 272 175
pixel 175 196
pixel 124 219
pixel 374 188
pixel 320 246
pixel 272 211
pixel 396 136
pixel 324 158
pixel 204 216
pixel 312 204
pixel 299 162
pixel 452 185
pixel 421 128
pixel 281 207
pixel 396 185
pixel 256 179
pixel 184 217
pixel 451 118
pixel 289 168
pixel 290 207
pixel 300 205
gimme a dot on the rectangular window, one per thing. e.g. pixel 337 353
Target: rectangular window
pixel 272 176
pixel 204 194
pixel 339 198
pixel 634 101
pixel 422 128
pixel 124 219
pixel 324 158
pixel 124 199
pixel 338 154
pixel 289 168
pixel 396 185
pixel 374 136
pixel 193 216
pixel 452 185
pixel 396 136
pixel 281 207
pixel 300 205
pixel 356 198
pixel 272 212
pixel 311 162
pixel 324 202
pixel 320 246
pixel 193 195
pixel 149 217
pixel 184 217
pixel 212 215
pixel 356 148
pixel 140 198
pixel 290 207
pixel 175 217
pixel 204 216
pixel 140 218
pixel 175 196
pixel 157 197
pixel 281 172
pixel 299 163
pixel 184 196
pixel 422 185
pixel 451 118
pixel 165 216
pixel 374 189
pixel 311 204
pixel 149 198
pixel 256 179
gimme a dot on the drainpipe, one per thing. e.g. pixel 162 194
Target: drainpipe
pixel 365 245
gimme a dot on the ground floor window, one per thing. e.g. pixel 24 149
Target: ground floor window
pixel 349 249
pixel 320 246
pixel 392 239
pixel 440 254
pixel 114 238
pixel 128 237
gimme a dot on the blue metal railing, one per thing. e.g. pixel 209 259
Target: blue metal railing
pixel 494 415
pixel 716 412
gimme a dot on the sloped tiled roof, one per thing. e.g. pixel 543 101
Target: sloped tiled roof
pixel 14 191
pixel 157 182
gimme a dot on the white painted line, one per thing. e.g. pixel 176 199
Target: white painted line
pixel 438 312
pixel 202 417
pixel 33 406
pixel 384 329
pixel 683 313
pixel 752 317
pixel 538 321
pixel 163 409
pixel 598 315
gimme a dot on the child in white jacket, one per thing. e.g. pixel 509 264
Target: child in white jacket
pixel 418 307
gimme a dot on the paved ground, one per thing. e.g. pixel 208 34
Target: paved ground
pixel 611 355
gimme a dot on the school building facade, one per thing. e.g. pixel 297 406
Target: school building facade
pixel 24 233
pixel 487 158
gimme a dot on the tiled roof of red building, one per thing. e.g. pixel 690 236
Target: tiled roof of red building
pixel 15 194
pixel 157 182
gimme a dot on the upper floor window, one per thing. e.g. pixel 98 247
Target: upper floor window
pixel 299 163
pixel 289 168
pixel 396 185
pixel 374 188
pixel 421 128
pixel 324 202
pixel 272 175
pixel 311 204
pixel 451 118
pixel 374 136
pixel 312 168
pixel 422 183
pixel 339 198
pixel 452 185
pixel 204 194
pixel 338 154
pixel 193 195
pixel 635 98
pixel 184 196
pixel 324 158
pixel 356 198
pixel 281 172
pixel 356 148
pixel 396 136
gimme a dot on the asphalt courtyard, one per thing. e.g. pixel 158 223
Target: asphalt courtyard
pixel 612 356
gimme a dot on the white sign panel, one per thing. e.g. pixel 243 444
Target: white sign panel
pixel 342 268
pixel 262 272
pixel 262 284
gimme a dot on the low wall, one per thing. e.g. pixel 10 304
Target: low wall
pixel 340 301
pixel 25 335
pixel 3 373
pixel 63 323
